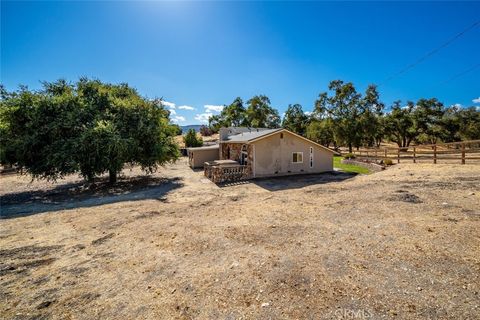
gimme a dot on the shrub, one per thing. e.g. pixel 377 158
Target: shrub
pixel 349 156
pixel 388 162
pixel 191 139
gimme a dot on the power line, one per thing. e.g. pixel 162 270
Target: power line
pixel 458 75
pixel 431 53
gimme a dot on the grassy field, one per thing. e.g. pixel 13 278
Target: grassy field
pixel 337 163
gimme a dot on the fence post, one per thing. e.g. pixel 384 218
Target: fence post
pixel 463 153
pixel 435 154
pixel 385 153
pixel 398 155
pixel 414 160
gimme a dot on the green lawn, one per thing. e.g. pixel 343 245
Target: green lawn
pixel 348 167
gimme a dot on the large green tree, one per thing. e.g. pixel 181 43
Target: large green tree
pixel 469 120
pixel 260 114
pixel 344 107
pixel 371 123
pixel 88 127
pixel 321 131
pixel 232 115
pixel 295 119
pixel 400 124
pixel 428 115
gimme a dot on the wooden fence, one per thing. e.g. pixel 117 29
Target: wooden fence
pixel 456 152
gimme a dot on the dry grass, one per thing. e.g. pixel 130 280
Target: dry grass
pixel 212 138
pixel 403 243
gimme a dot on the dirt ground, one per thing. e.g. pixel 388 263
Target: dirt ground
pixel 403 243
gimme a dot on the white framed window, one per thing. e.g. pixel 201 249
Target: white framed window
pixel 311 157
pixel 297 157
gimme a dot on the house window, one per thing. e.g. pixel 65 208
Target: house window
pixel 281 135
pixel 297 157
pixel 311 157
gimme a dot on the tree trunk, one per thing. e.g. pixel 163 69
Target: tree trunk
pixel 112 176
pixel 349 147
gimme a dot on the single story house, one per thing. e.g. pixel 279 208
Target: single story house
pixel 246 153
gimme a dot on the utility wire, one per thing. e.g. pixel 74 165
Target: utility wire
pixel 431 53
pixel 458 75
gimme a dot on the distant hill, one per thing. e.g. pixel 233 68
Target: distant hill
pixel 193 126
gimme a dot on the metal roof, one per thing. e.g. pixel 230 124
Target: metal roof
pixel 251 135
pixel 213 146
pixel 257 135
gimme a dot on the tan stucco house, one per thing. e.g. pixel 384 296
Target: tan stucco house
pixel 245 153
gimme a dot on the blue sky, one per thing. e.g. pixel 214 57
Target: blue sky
pixel 201 55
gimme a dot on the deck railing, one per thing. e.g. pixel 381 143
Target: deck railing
pixel 222 174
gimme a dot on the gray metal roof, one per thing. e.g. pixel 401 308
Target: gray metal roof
pixel 248 136
pixel 213 146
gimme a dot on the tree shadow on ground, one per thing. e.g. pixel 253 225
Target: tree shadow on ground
pixel 295 181
pixel 77 195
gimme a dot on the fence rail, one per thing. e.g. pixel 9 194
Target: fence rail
pixel 461 152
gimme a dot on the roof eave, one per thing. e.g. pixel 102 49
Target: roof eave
pixel 297 135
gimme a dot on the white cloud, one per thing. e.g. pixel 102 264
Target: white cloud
pixel 178 119
pixel 169 105
pixel 477 100
pixel 308 113
pixel 457 105
pixel 203 117
pixel 172 112
pixel 211 108
pixel 186 108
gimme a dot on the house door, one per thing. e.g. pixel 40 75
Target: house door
pixel 244 155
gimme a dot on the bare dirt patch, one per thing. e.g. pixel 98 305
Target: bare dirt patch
pixel 402 243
